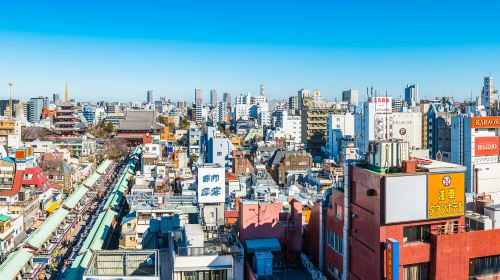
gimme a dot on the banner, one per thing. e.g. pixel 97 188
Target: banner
pixel 392 259
pixel 487 146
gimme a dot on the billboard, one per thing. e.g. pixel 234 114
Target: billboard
pixel 20 154
pixel 382 104
pixel 487 146
pixel 445 195
pixel 485 122
pixel 211 184
pixel 405 198
pixel 391 259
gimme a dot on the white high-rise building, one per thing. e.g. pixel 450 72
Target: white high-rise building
pixel 291 125
pixel 198 96
pixel 337 126
pixel 407 126
pixel 475 144
pixel 222 112
pixel 241 111
pixel 265 118
pixel 213 98
pixel 373 123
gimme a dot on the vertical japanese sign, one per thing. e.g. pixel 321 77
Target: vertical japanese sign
pixel 211 184
pixel 391 259
pixel 445 195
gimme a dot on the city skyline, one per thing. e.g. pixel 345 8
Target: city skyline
pixel 176 47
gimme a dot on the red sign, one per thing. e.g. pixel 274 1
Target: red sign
pixel 20 154
pixel 485 122
pixel 487 146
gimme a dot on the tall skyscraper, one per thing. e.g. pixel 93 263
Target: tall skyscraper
pixel 261 91
pixel 198 96
pixel 213 98
pixel 350 96
pixel 411 95
pixel 227 98
pixel 56 98
pixel 150 96
pixel 487 92
pixel 36 105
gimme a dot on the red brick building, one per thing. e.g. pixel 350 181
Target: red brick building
pixel 430 230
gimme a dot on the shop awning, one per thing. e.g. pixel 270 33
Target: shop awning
pixel 53 207
pixel 263 245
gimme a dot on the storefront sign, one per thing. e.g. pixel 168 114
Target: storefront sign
pixel 445 195
pixel 392 259
pixel 485 122
pixel 487 146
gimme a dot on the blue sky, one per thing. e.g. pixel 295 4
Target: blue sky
pixel 116 50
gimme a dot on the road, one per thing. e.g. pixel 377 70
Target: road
pixel 93 206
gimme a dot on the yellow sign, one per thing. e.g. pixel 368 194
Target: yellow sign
pixel 445 195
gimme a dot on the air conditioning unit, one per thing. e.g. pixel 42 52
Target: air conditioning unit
pixel 263 264
pixel 477 221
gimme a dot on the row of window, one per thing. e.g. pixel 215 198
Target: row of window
pixel 336 242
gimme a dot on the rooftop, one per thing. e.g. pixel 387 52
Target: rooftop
pixel 4 218
pixel 129 263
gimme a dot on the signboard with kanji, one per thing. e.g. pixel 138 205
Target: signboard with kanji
pixel 211 184
pixel 445 195
pixel 392 259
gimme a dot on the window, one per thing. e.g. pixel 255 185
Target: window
pixel 484 266
pixel 416 233
pixel 419 271
pixel 334 271
pixel 338 211
pixel 335 242
pixel 219 154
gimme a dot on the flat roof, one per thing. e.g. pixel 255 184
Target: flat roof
pixel 4 218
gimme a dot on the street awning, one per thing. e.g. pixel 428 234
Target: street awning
pixel 104 166
pixel 75 197
pixel 53 207
pixel 14 263
pixel 263 245
pixel 91 180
